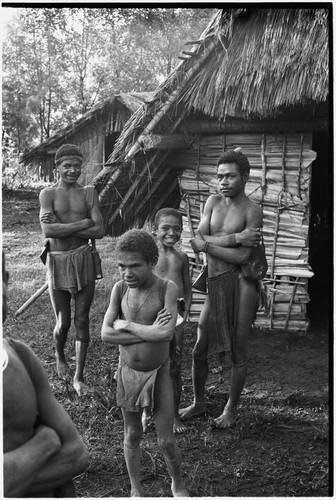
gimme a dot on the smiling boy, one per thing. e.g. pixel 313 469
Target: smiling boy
pixel 69 219
pixel 173 264
pixel 140 319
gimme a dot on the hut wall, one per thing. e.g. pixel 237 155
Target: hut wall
pixel 91 141
pixel 279 181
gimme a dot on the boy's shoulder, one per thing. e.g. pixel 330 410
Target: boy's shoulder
pixel 175 255
pixel 121 287
pixel 162 285
pixel 174 251
pixel 160 281
pixel 183 254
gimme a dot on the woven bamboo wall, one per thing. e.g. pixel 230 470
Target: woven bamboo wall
pixel 280 181
pixel 91 142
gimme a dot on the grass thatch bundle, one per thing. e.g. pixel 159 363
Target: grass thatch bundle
pixel 274 58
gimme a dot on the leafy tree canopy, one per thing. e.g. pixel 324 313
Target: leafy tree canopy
pixel 58 63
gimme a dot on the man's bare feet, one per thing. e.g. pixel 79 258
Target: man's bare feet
pixel 146 419
pixel 137 492
pixel 179 490
pixel 81 388
pixel 63 369
pixel 227 419
pixel 179 426
pixel 191 411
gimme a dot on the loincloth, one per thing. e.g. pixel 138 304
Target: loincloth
pixel 223 292
pixel 70 270
pixel 135 389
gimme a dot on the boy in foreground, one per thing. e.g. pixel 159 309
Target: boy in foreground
pixel 141 318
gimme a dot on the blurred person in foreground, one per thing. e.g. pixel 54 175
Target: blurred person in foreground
pixel 42 450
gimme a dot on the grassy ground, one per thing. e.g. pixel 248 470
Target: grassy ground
pixel 280 445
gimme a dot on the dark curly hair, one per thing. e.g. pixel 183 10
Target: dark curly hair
pixel 236 157
pixel 138 240
pixel 163 212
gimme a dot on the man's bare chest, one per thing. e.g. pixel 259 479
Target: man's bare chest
pixel 70 205
pixel 226 220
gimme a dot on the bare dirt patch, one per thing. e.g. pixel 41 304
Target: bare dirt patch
pixel 280 445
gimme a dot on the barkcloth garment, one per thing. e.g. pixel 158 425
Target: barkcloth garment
pixel 223 292
pixel 69 269
pixel 135 389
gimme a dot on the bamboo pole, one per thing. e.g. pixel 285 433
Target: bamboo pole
pixel 276 227
pixel 299 168
pixel 283 166
pixel 276 125
pixel 271 309
pixel 191 228
pixel 263 165
pixel 291 303
pixel 32 299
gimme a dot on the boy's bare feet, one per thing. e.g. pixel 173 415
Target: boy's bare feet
pixel 227 419
pixel 63 369
pixel 191 411
pixel 179 426
pixel 81 388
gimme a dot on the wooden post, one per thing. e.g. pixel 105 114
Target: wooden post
pixel 291 302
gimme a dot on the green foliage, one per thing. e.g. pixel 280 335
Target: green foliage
pixel 58 63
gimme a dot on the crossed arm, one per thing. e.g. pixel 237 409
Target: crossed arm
pixel 125 332
pixel 52 227
pixel 233 248
pixel 54 454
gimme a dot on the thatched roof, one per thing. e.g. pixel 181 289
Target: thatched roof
pixel 250 63
pixel 269 59
pixel 115 111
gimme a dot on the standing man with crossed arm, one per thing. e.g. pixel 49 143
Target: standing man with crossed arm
pixel 68 221
pixel 228 231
